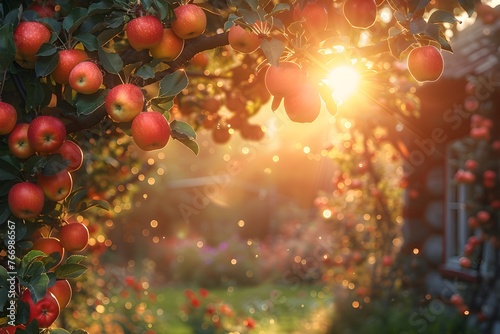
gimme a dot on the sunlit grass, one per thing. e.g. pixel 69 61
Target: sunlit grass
pixel 276 309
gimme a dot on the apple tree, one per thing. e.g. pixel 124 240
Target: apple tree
pixel 79 76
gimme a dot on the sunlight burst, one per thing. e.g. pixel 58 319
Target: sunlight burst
pixel 344 81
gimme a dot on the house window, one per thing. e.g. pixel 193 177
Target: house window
pixel 456 216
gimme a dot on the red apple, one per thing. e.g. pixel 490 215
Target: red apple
pixel 220 134
pixel 46 134
pixel 465 262
pixel 144 32
pixel 190 21
pixel 45 311
pixel 44 9
pixel 68 59
pixel 56 187
pixel 425 63
pixel 211 104
pixel 62 291
pixel 169 48
pixel 18 142
pixel 284 79
pixel 8 118
pixel 242 40
pixel 28 38
pixel 150 130
pixel 85 77
pixel 50 246
pixel 26 200
pixel 387 260
pixel 201 60
pixel 473 222
pixel 11 329
pixel 70 151
pixel 483 216
pixel 124 102
pixel 303 106
pixel 360 13
pixel 471 164
pixel 456 300
pixel 74 236
pixel 313 15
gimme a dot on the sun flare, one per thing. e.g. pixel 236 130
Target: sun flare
pixel 344 81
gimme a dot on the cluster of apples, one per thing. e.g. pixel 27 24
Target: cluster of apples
pixel 45 135
pixel 288 82
pixel 125 102
pixel 73 236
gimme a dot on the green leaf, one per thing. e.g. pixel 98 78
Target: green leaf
pixel 83 206
pixel 75 258
pixel 105 36
pixel 31 256
pixel 79 331
pixel 55 164
pixel 417 26
pixel 70 270
pixel 442 16
pixel 432 30
pixel 73 20
pixel 13 17
pixel 279 8
pixel 146 4
pixel 4 212
pixel 7 46
pixel 22 316
pixel 249 16
pixel 445 45
pixel 399 44
pixel 45 65
pixel 400 16
pixel 53 23
pixel 88 103
pixel 162 104
pixel 110 61
pixel 46 49
pixel 162 7
pixel 39 289
pixel 75 198
pixel 145 72
pixel 89 41
pixel 36 94
pixel 100 7
pixel 173 83
pixel 10 164
pixel 4 289
pixel 230 21
pixel 35 164
pixel 254 4
pixel 273 49
pixel 116 22
pixel 182 130
pixel 191 144
pixel 6 176
pixel 468 5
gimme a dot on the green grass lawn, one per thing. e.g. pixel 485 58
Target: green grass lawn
pixel 276 309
